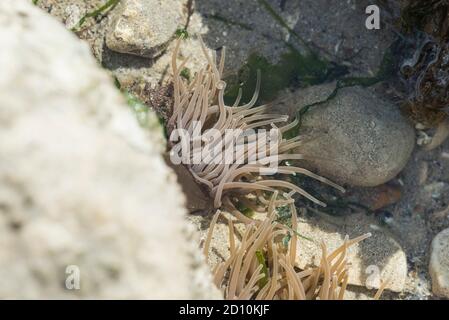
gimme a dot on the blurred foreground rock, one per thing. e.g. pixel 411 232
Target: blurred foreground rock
pixel 81 184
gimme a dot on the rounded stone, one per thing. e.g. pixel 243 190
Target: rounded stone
pixel 356 138
pixel 439 264
pixel 144 27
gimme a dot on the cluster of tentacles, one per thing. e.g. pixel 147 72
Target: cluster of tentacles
pixel 199 108
pixel 262 266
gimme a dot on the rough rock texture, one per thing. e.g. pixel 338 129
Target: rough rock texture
pixel 129 69
pixel 291 100
pixel 334 30
pixel 356 137
pixel 144 27
pixel 378 258
pixel 80 182
pixel 263 27
pixel 439 264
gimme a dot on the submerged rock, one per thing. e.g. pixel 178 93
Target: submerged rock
pixel 82 186
pixel 439 264
pixel 355 138
pixel 144 27
pixel 376 259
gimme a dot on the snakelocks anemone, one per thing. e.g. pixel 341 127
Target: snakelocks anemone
pixel 221 146
pixel 262 266
pixel 225 147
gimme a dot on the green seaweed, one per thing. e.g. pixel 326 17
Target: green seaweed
pixel 185 73
pixel 245 210
pixel 117 83
pixel 110 4
pixel 140 109
pixel 182 33
pixel 262 261
pixel 284 216
pixel 293 69
pixel 386 70
pixel 286 239
pixel 146 119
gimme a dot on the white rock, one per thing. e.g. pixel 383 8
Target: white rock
pixel 80 182
pixel 144 27
pixel 439 264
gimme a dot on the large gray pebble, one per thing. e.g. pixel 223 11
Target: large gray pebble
pixel 356 137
